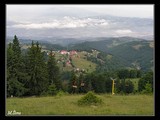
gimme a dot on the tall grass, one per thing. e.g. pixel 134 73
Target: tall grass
pixel 67 105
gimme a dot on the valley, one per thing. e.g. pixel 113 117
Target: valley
pixel 127 52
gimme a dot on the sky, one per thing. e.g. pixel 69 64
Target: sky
pixel 78 20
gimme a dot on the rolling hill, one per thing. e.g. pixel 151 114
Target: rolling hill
pixel 125 52
pixel 137 53
pixel 132 52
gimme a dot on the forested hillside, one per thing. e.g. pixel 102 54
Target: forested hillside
pixel 131 52
pixel 33 69
pixel 136 53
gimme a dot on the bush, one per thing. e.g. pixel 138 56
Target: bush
pixel 129 86
pixel 89 99
pixel 148 89
pixel 52 90
pixel 44 94
pixel 61 93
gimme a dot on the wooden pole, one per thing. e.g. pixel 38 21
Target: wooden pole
pixel 113 87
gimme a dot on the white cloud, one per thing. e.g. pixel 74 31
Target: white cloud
pixel 21 11
pixel 65 22
pixel 123 31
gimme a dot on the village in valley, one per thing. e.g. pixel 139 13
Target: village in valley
pixel 71 60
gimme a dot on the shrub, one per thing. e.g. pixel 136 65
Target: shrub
pixel 148 89
pixel 52 90
pixel 44 94
pixel 61 93
pixel 89 99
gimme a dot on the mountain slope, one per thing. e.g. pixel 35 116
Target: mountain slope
pixel 137 53
pixel 132 52
pixel 123 51
pixel 103 44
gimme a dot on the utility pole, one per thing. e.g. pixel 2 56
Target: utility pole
pixel 113 85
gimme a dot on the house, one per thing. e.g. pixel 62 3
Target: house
pixel 63 52
pixel 73 52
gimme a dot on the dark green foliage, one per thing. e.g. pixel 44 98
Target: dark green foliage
pixel 123 74
pixel 15 88
pixel 37 70
pixel 81 84
pixel 53 71
pixel 145 81
pixel 52 90
pixel 129 87
pixel 128 73
pixel 73 82
pixel 33 72
pixel 120 86
pixel 46 57
pixel 139 73
pixel 148 89
pixel 61 93
pixel 54 47
pixel 107 64
pixel 124 86
pixel 90 99
pixel 66 75
pixel 64 64
pixel 108 85
pixel 98 83
pixel 88 83
pixel 16 47
pixel 142 56
pixel 81 47
pixel 133 73
pixel 16 76
pixel 123 51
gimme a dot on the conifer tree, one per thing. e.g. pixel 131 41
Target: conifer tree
pixel 72 82
pixel 37 70
pixel 53 71
pixel 15 69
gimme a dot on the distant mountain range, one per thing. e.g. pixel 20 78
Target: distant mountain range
pixel 73 27
pixel 84 40
pixel 132 52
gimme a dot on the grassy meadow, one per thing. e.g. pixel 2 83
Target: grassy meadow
pixel 79 61
pixel 67 105
pixel 82 63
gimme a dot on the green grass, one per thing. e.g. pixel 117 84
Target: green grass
pixel 82 63
pixel 67 105
pixel 79 62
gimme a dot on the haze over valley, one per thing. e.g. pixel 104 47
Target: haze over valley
pixel 55 23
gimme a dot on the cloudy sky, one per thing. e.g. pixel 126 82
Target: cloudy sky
pixel 37 21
